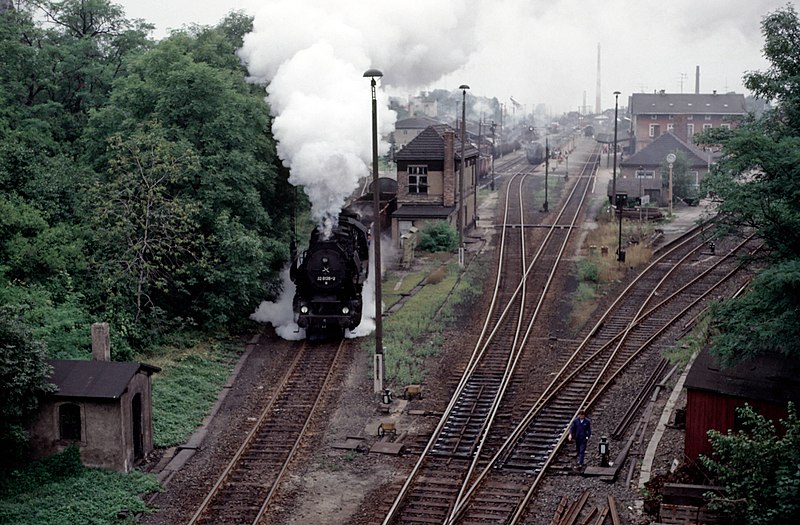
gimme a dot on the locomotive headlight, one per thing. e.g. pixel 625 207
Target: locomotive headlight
pixel 304 309
pixel 345 310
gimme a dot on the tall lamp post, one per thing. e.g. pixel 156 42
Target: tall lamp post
pixel 619 200
pixel 614 172
pixel 670 160
pixel 462 215
pixel 494 151
pixel 546 205
pixel 376 235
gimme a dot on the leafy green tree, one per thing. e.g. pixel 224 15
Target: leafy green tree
pixel 759 469
pixel 438 236
pixel 762 320
pixel 149 229
pixel 23 377
pixel 756 186
pixel 189 84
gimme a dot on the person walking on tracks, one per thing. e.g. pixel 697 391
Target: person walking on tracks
pixel 580 430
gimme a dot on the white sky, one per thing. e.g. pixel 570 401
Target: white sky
pixel 545 51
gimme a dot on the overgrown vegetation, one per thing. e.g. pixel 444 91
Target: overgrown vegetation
pixel 438 236
pixel 758 467
pixel 186 388
pixel 58 490
pixel 411 335
pixel 755 185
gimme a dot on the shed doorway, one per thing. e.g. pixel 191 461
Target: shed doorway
pixel 138 438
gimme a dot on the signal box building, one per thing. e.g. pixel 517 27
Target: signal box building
pixel 767 383
pixel 428 184
pixel 102 407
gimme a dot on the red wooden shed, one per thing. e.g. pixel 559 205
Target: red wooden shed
pixel 767 383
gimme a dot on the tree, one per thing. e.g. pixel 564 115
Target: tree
pixel 756 188
pixel 23 377
pixel 759 469
pixel 150 230
pixel 199 96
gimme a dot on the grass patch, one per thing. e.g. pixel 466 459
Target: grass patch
pixel 416 332
pixel 187 386
pixel 58 490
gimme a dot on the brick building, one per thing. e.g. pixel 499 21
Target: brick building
pixel 428 184
pixel 684 114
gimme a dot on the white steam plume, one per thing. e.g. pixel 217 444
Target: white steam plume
pixel 311 55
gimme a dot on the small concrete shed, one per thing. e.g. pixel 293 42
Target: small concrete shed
pixel 103 407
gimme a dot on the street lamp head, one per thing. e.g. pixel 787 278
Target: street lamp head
pixel 374 73
pixel 463 86
pixel 617 93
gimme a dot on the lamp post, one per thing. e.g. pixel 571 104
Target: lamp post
pixel 614 172
pixel 546 205
pixel 494 151
pixel 376 234
pixel 462 215
pixel 670 160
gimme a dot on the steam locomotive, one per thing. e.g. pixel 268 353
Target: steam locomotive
pixel 535 152
pixel 329 277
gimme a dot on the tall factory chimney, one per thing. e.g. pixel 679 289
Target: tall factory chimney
pixel 597 108
pixel 697 80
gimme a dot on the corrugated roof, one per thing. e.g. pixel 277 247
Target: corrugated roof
pixel 655 152
pixel 772 377
pixel 94 379
pixel 687 103
pixel 429 145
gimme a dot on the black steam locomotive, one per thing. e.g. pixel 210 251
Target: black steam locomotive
pixel 328 278
pixel 535 152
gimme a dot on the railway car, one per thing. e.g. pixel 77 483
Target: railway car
pixel 329 276
pixel 535 152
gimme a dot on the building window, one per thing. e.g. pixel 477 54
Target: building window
pixel 689 130
pixel 69 422
pixel 708 117
pixel 671 117
pixel 645 174
pixel 725 126
pixel 655 130
pixel 653 117
pixel 689 117
pixel 417 184
pixel 670 127
pixel 706 126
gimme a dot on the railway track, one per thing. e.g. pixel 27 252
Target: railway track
pixel 437 482
pixel 243 492
pixel 678 284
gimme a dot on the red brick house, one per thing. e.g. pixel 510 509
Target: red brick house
pixel 641 174
pixel 684 114
pixel 428 184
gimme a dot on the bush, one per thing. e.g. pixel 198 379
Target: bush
pixel 439 236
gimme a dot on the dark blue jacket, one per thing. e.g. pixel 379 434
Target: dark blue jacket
pixel 581 430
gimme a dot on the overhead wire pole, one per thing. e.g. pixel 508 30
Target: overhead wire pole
pixel 376 239
pixel 462 214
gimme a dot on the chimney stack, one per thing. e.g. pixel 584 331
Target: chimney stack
pixel 449 182
pixel 697 80
pixel 101 342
